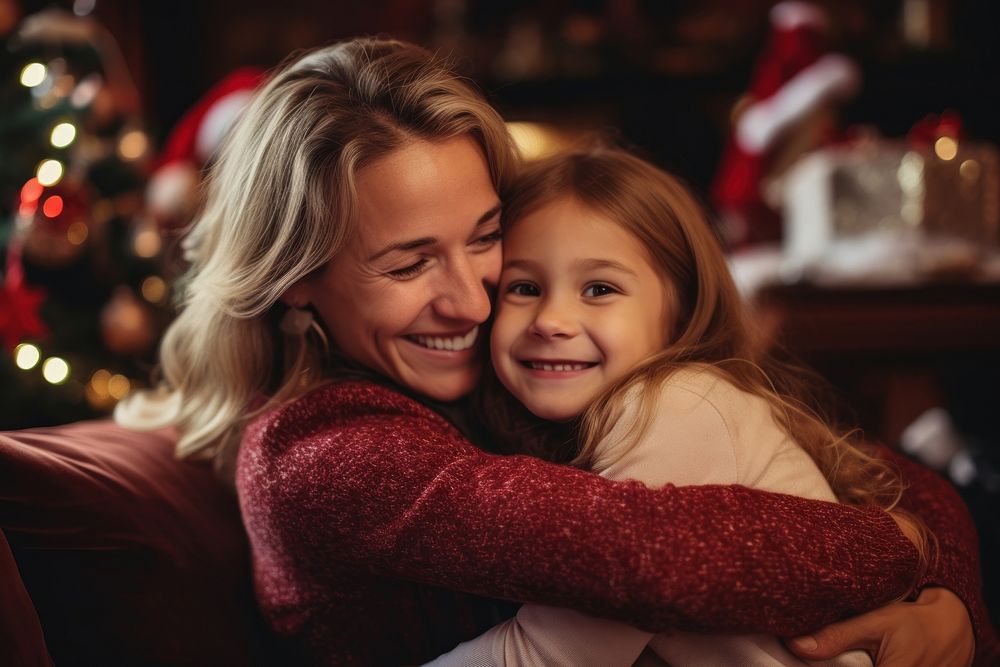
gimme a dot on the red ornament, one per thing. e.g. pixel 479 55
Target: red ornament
pixel 19 314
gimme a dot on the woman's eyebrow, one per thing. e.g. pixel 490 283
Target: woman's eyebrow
pixel 489 215
pixel 428 240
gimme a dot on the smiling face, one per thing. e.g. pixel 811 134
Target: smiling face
pixel 407 295
pixel 579 306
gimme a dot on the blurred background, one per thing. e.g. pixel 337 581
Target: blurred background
pixel 845 151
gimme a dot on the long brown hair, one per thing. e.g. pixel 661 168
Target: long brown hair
pixel 711 328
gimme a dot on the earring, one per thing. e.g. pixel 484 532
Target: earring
pixel 296 321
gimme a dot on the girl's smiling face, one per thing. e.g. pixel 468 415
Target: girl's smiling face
pixel 579 306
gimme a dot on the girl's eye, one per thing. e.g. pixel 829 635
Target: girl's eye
pixel 523 289
pixel 489 239
pixel 599 289
pixel 409 271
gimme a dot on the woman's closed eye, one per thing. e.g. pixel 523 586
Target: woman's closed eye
pixel 600 289
pixel 489 240
pixel 409 271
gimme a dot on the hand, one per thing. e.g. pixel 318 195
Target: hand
pixel 934 631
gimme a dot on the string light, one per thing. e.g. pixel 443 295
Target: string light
pixel 118 386
pixel 49 172
pixel 946 148
pixel 147 243
pixel 83 7
pixel 33 74
pixel 63 135
pixel 99 383
pixel 55 370
pixel 77 233
pixel 26 356
pixel 970 170
pixel 52 207
pixel 133 145
pixel 154 289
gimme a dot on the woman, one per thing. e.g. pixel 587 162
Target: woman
pixel 332 320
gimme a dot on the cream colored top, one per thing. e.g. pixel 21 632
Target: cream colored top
pixel 703 430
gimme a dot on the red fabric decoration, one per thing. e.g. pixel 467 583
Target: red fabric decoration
pixel 794 76
pixel 172 193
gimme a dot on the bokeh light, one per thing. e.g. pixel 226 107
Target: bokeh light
pixel 133 145
pixel 33 75
pixel 63 135
pixel 53 207
pixel 154 289
pixel 55 370
pixel 49 172
pixel 946 148
pixel 26 356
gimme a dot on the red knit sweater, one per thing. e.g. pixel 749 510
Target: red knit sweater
pixel 366 511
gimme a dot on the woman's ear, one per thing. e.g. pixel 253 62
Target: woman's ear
pixel 297 296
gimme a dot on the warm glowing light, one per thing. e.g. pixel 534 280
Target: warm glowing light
pixel 49 172
pixel 53 206
pixel 147 243
pixel 133 145
pixel 99 382
pixel 946 148
pixel 63 135
pixel 83 7
pixel 118 386
pixel 77 233
pixel 86 91
pixel 31 191
pixel 154 289
pixel 26 356
pixel 55 370
pixel 970 170
pixel 534 140
pixel 33 74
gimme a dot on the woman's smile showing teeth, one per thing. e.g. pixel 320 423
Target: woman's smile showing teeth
pixel 450 343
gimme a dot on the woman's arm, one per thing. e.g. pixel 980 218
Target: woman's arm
pixel 390 487
pixel 948 621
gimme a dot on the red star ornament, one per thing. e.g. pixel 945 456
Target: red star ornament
pixel 19 314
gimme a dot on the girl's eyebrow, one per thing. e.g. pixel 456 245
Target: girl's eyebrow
pixel 588 264
pixel 595 263
pixel 428 240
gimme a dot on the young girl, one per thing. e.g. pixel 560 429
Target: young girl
pixel 617 318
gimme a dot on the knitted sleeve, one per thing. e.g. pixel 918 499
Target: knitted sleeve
pixel 391 488
pixel 956 567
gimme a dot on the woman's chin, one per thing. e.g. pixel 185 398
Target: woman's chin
pixel 445 387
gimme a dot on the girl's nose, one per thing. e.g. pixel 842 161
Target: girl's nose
pixel 554 320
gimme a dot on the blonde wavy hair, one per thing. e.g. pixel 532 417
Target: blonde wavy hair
pixel 711 327
pixel 280 202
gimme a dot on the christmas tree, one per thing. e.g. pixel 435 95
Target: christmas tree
pixel 82 299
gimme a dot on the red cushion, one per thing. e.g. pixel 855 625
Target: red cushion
pixel 129 556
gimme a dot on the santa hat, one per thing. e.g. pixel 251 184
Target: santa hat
pixel 795 76
pixel 172 190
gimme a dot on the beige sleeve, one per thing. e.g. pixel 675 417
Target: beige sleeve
pixel 687 442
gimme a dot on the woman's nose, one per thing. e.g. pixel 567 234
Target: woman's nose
pixel 465 294
pixel 554 319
